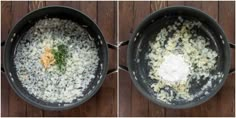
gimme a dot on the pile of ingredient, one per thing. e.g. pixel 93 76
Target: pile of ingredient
pixel 47 58
pixel 56 60
pixel 177 56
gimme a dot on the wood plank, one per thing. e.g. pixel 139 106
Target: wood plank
pixel 106 96
pixel 195 4
pixel 140 14
pixel 156 5
pixel 5 26
pixel 227 22
pixel 211 8
pixel 125 94
pixel 126 25
pixel 33 5
pixel 125 20
pixel 106 20
pixel 4 95
pixel 155 110
pixel 89 8
pixel 19 9
pixel 137 98
pixel 31 110
pixel 6 20
pixel 226 100
pixel 174 3
pixel 64 3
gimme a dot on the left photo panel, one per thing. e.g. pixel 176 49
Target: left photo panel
pixel 59 58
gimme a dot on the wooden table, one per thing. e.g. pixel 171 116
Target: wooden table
pixel 104 102
pixel 131 102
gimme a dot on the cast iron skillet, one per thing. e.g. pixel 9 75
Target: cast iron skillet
pixel 23 26
pixel 138 48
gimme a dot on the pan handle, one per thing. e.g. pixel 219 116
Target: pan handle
pixel 123 67
pixel 112 70
pixel 115 47
pixel 2 46
pixel 123 43
pixel 232 70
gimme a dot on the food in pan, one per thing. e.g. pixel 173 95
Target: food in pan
pixel 56 60
pixel 178 57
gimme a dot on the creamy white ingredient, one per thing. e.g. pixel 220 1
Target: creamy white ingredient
pixel 174 68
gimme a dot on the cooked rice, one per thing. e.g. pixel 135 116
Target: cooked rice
pixel 50 84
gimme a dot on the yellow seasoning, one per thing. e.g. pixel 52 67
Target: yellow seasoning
pixel 47 58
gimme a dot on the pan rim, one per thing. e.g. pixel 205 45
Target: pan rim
pixel 72 105
pixel 159 102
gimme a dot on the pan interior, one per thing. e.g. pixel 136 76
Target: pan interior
pixel 140 48
pixel 63 13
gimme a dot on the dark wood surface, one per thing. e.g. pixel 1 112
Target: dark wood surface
pixel 132 103
pixel 104 103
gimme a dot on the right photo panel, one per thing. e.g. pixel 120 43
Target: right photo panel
pixel 176 58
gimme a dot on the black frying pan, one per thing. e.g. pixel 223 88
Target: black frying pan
pixel 146 31
pixel 63 13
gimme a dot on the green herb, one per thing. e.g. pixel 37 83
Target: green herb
pixel 60 55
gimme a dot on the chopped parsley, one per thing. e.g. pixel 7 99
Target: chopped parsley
pixel 60 55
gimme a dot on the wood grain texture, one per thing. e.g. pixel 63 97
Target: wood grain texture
pixel 132 103
pixel 4 96
pixel 174 3
pixel 196 4
pixel 125 91
pixel 211 8
pixel 227 22
pixel 5 28
pixel 106 20
pixel 64 3
pixel 93 107
pixel 33 5
pixel 89 8
pixel 107 95
pixel 156 5
pixel 126 27
pixel 19 9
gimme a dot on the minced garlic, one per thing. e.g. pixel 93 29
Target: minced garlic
pixel 47 58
